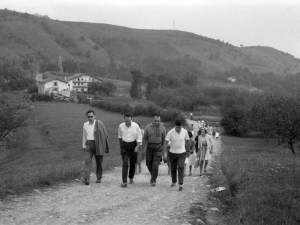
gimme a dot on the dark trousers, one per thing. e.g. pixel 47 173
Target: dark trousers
pixel 90 151
pixel 129 157
pixel 153 157
pixel 177 162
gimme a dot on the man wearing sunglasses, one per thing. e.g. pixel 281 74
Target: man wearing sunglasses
pixel 95 143
pixel 153 142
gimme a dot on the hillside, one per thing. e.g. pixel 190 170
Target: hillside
pixel 116 48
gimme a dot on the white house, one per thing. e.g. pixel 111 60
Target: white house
pixel 64 83
pixel 53 85
pixel 80 81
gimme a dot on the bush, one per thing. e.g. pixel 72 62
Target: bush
pixel 139 110
pixel 41 97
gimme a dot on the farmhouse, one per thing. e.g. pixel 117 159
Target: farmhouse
pixel 64 83
pixel 53 85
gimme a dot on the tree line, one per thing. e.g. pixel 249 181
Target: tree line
pixel 270 114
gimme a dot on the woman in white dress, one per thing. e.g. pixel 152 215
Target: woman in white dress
pixel 205 146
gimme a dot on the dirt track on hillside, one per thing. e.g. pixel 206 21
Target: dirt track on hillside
pixel 108 203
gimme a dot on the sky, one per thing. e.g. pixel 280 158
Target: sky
pixel 273 23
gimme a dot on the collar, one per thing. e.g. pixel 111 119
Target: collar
pixel 91 124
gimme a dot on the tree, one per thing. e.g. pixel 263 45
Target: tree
pixel 106 87
pixel 136 84
pixel 19 72
pixel 70 66
pixel 10 121
pixel 166 80
pixel 190 79
pixel 285 114
pixel 152 83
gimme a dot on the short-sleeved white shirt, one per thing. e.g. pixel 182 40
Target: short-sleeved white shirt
pixel 177 140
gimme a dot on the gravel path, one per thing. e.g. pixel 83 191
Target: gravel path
pixel 108 203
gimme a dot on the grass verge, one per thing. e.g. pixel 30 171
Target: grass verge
pixel 262 182
pixel 49 150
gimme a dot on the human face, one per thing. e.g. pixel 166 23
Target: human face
pixel 178 129
pixel 128 121
pixel 156 120
pixel 202 132
pixel 91 117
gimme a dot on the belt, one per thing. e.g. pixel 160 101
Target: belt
pixel 128 142
pixel 154 143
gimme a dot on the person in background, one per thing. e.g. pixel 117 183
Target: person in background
pixel 205 146
pixel 199 124
pixel 217 133
pixel 192 129
pixel 140 155
pixel 94 143
pixel 179 139
pixel 153 142
pixel 192 154
pixel 130 137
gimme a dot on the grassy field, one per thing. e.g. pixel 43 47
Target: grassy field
pixel 49 150
pixel 262 182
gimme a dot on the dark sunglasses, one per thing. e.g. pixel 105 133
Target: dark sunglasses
pixel 90 116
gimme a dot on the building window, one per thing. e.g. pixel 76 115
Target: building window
pixel 55 83
pixel 78 79
pixel 82 89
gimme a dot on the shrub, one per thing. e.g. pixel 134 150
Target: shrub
pixel 139 110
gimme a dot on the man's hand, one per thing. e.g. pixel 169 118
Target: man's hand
pixel 136 149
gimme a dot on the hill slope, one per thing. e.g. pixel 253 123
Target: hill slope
pixel 120 48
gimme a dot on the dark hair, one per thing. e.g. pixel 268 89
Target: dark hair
pixel 190 134
pixel 128 115
pixel 178 123
pixel 156 115
pixel 90 111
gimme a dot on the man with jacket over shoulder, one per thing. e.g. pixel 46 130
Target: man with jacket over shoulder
pixel 153 141
pixel 94 143
pixel 130 137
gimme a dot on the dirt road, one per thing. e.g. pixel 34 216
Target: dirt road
pixel 108 203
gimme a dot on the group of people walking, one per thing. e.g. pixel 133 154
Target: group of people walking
pixel 177 147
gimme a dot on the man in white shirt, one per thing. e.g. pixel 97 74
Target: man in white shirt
pixel 130 137
pixel 180 144
pixel 94 143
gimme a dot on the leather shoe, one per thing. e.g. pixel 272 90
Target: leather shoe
pixel 86 182
pixel 131 181
pixel 98 181
pixel 124 185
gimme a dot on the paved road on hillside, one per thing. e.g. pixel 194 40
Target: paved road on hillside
pixel 108 203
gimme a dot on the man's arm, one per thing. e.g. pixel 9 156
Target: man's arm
pixel 83 138
pixel 164 143
pixel 145 139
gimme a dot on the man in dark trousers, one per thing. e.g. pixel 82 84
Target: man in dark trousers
pixel 153 141
pixel 130 137
pixel 94 143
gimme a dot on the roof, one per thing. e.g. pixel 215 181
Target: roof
pixel 79 75
pixel 52 78
pixel 66 76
